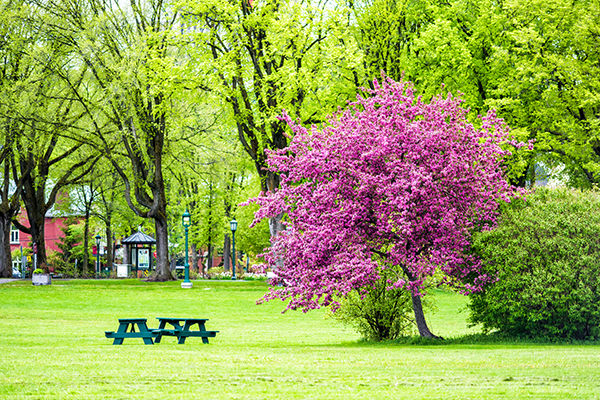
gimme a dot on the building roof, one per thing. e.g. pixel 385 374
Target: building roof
pixel 139 238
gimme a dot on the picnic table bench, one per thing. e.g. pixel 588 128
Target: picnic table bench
pixel 180 329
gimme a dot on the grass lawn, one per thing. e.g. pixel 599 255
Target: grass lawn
pixel 52 346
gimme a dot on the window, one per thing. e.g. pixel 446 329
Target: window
pixel 14 236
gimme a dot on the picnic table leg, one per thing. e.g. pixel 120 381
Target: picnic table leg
pixel 203 329
pixel 144 328
pixel 186 327
pixel 161 325
pixel 122 329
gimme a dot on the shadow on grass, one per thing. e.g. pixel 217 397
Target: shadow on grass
pixel 494 338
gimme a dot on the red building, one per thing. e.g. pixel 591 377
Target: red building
pixel 52 232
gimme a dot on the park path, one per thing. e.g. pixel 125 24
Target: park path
pixel 7 280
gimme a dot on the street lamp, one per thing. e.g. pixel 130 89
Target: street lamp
pixel 186 221
pixel 98 255
pixel 233 224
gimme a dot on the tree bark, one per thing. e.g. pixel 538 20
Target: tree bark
pixel 209 262
pixel 5 256
pixel 227 253
pixel 275 227
pixel 38 236
pixel 9 207
pixel 86 242
pixel 194 266
pixel 420 319
pixel 110 254
pixel 163 272
pixel 35 229
pixel 126 254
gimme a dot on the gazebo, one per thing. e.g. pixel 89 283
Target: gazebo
pixel 139 246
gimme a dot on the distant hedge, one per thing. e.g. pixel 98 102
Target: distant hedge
pixel 546 254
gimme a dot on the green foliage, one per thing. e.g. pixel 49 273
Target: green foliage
pixel 38 271
pixel 378 313
pixel 263 57
pixel 16 253
pixel 536 62
pixel 546 255
pixel 256 239
pixel 546 64
pixel 69 260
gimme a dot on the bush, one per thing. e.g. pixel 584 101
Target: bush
pixel 380 314
pixel 546 254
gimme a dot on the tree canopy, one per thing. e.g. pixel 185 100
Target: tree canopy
pixel 137 80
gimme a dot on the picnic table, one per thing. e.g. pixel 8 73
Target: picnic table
pixel 124 325
pixel 180 328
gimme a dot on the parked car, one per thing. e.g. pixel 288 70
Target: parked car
pixel 16 273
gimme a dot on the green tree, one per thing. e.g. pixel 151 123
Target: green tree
pixel 432 43
pixel 261 57
pixel 212 177
pixel 38 118
pixel 72 249
pixel 536 62
pixel 48 163
pixel 548 68
pixel 12 37
pixel 135 74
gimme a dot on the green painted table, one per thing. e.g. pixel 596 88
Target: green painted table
pixel 181 329
pixel 125 324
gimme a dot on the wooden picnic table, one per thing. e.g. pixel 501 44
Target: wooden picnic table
pixel 122 333
pixel 181 329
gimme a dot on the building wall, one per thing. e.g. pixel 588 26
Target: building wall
pixel 52 234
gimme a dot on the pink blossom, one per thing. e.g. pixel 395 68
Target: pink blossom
pixel 392 182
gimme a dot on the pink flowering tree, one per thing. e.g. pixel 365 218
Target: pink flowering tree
pixel 391 183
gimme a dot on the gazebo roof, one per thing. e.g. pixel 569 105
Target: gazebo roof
pixel 139 238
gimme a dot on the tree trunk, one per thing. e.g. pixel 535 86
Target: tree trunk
pixel 209 262
pixel 110 254
pixel 5 257
pixel 420 319
pixel 226 253
pixel 35 209
pixel 194 266
pixel 163 272
pixel 38 238
pixel 126 254
pixel 86 242
pixel 275 227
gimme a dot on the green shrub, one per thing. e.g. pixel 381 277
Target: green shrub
pixel 546 255
pixel 69 260
pixel 16 253
pixel 380 314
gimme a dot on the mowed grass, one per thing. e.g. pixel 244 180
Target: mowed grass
pixel 52 346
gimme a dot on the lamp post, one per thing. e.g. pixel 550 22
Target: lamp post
pixel 186 221
pixel 98 255
pixel 233 225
